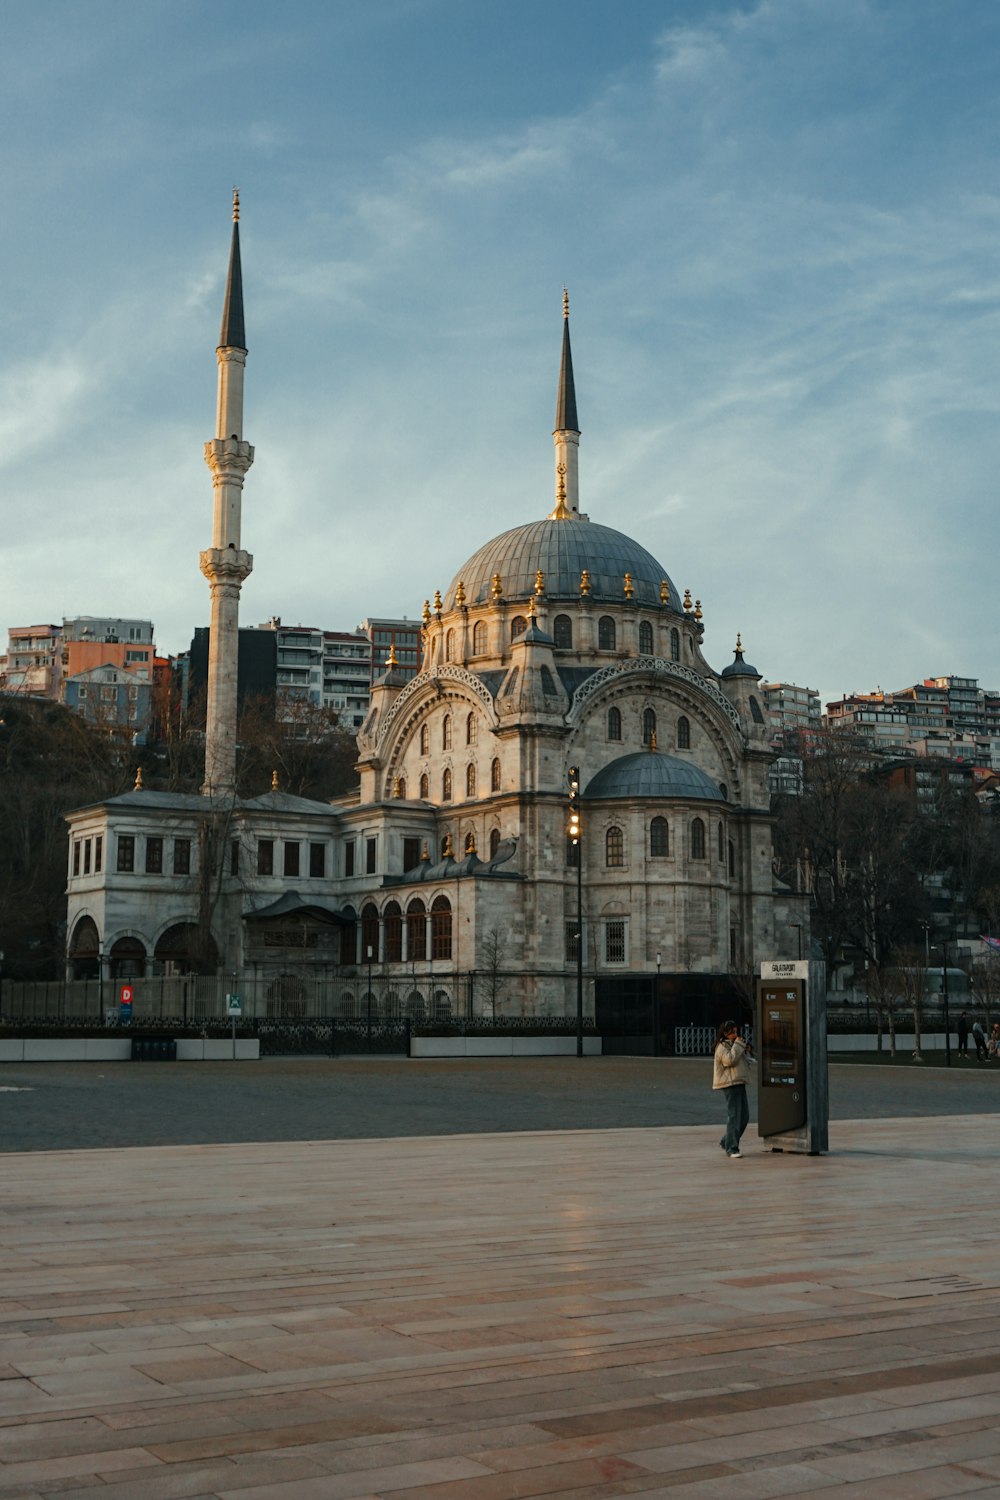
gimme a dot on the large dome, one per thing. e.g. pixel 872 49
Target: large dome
pixel 562 549
pixel 649 773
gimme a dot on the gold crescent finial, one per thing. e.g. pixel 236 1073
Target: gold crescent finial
pixel 565 303
pixel 390 660
pixel 274 781
pixel 739 642
pixel 236 205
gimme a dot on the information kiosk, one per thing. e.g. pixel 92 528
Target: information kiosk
pixel 793 1108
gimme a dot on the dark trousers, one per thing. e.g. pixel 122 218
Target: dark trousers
pixel 737 1115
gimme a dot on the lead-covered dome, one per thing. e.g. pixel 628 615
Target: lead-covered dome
pixel 648 773
pixel 561 550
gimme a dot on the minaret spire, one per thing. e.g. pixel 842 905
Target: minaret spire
pixel 225 564
pixel 567 433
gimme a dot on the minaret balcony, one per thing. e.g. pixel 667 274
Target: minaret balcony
pixel 225 564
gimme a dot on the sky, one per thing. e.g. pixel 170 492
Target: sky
pixel 778 220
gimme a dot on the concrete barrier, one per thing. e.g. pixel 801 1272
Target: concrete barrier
pixel 502 1046
pixel 118 1049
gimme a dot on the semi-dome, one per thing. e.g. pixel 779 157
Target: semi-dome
pixel 648 773
pixel 561 549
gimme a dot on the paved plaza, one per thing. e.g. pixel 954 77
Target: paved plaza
pixel 500 1315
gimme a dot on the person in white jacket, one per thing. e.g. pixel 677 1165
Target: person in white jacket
pixel 731 1074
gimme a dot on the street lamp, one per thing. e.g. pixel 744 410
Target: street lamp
pixel 943 949
pixel 575 832
pixel 370 955
pixel 656 1007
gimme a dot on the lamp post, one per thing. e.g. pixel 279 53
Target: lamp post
pixel 944 996
pixel 576 839
pixel 369 997
pixel 656 1007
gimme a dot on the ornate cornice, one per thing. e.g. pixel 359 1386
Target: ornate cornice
pixel 656 666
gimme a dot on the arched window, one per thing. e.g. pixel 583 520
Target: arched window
pixel 548 681
pixel 470 729
pixel 416 930
pixel 470 781
pixel 721 845
pixel 675 644
pixel 479 638
pixel 425 739
pixel 755 712
pixel 605 633
pixel 425 786
pixel 369 934
pixel 614 723
pixel 683 733
pixel 697 839
pixel 446 786
pixel 446 733
pixel 434 649
pixel 440 927
pixel 449 646
pixel 401 788
pixel 390 1004
pixel 645 638
pixel 732 860
pixel 648 726
pixel 659 838
pixel 415 1007
pixel 724 790
pixel 614 848
pixel 494 842
pixel 495 776
pixel 562 632
pixel 518 626
pixel 392 926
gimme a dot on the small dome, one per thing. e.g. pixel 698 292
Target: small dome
pixel 738 667
pixel 561 550
pixel 650 774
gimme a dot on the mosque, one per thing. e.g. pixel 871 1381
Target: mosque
pixel 449 876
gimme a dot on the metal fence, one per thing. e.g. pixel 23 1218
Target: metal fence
pixel 699 1041
pixel 185 1000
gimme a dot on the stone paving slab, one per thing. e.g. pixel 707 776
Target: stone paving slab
pixel 496 1317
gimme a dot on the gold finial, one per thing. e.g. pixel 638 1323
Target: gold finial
pixel 437 601
pixel 585 582
pixel 390 660
pixel 460 593
pixel 425 858
pixel 561 512
pixel 565 303
pixel 739 642
pixel 274 781
pixel 496 587
pixel 138 779
pixel 687 601
pixel 539 583
pixel 697 609
pixel 629 586
pixel 531 609
pixel 470 843
pixel 652 740
pixel 396 792
pixel 427 611
pixel 664 591
pixel 447 852
pixel 236 205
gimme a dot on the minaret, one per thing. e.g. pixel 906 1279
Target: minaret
pixel 567 434
pixel 224 564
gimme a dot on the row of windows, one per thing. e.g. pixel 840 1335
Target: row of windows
pixel 659 844
pixel 394 937
pixel 154 854
pixel 562 635
pixel 157 849
pixel 683 732
pixel 614 931
pixel 471 732
pixel 88 855
pixel 447 782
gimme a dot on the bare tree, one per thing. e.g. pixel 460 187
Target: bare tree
pixel 494 953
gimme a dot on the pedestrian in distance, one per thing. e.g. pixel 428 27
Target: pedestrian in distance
pixel 731 1074
pixel 993 1045
pixel 963 1035
pixel 979 1037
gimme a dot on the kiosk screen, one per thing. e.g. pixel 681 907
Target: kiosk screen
pixel 781 1042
